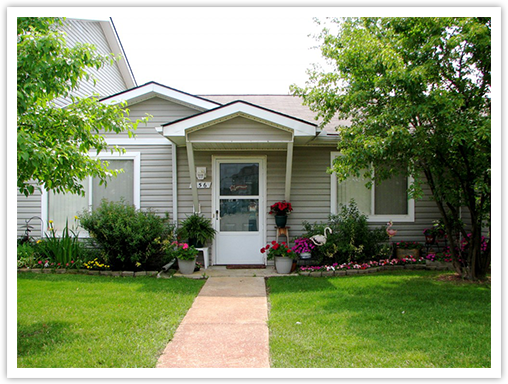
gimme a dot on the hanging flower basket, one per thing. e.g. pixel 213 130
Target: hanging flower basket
pixel 281 209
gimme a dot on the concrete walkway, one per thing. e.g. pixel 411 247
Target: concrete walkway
pixel 225 327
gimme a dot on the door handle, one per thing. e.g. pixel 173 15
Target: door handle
pixel 217 214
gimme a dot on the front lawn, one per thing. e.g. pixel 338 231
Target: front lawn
pixel 69 321
pixel 407 319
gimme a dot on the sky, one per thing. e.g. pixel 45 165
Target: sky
pixel 203 51
pixel 226 50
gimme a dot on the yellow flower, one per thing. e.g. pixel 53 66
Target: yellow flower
pixel 51 221
pixel 39 241
pixel 76 217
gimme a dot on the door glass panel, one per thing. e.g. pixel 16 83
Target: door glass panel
pixel 239 215
pixel 239 179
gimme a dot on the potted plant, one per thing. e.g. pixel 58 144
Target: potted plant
pixel 433 233
pixel 282 254
pixel 186 255
pixel 281 209
pixel 408 248
pixel 197 229
pixel 303 246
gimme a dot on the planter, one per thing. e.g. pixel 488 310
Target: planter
pixel 305 255
pixel 186 267
pixel 430 239
pixel 280 221
pixel 283 265
pixel 402 253
pixel 195 243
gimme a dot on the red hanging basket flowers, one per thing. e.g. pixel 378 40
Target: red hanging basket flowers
pixel 281 208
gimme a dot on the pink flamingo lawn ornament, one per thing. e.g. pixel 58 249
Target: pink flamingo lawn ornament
pixel 389 231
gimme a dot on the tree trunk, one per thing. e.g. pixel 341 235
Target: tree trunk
pixel 474 263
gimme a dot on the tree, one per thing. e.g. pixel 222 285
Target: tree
pixel 417 93
pixel 54 143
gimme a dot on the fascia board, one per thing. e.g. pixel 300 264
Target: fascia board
pixel 116 49
pixel 299 127
pixel 152 89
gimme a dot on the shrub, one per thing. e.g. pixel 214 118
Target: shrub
pixel 27 255
pixel 129 239
pixel 351 239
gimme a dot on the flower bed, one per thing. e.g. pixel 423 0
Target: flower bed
pixel 359 268
pixel 90 272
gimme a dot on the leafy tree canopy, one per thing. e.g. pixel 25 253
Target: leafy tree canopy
pixel 417 93
pixel 54 143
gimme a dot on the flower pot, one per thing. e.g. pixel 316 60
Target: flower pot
pixel 195 243
pixel 283 265
pixel 186 267
pixel 305 255
pixel 281 220
pixel 430 239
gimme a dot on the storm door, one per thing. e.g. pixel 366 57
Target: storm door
pixel 239 203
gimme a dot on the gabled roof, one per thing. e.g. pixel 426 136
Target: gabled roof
pixel 287 104
pixel 153 89
pixel 178 130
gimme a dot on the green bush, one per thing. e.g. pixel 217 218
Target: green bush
pixel 129 239
pixel 27 255
pixel 351 238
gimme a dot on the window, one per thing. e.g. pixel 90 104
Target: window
pixel 383 202
pixel 62 207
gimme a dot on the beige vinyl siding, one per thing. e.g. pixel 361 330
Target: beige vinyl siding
pixel 109 79
pixel 310 189
pixel 156 180
pixel 29 207
pixel 162 111
pixel 240 129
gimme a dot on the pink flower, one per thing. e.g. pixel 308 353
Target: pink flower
pixel 185 246
pixel 40 262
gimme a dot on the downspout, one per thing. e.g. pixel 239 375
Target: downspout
pixel 174 176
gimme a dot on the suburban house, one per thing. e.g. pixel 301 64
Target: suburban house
pixel 228 157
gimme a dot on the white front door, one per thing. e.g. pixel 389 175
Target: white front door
pixel 239 207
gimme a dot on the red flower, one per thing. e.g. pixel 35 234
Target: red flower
pixel 281 207
pixel 263 250
pixel 289 251
pixel 274 242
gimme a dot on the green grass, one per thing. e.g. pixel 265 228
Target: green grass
pixel 70 321
pixel 391 319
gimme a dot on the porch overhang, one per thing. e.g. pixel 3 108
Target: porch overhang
pixel 239 126
pixel 193 128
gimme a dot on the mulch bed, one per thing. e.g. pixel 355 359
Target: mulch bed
pixel 456 278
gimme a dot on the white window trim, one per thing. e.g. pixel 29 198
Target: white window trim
pixel 410 217
pixel 135 156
